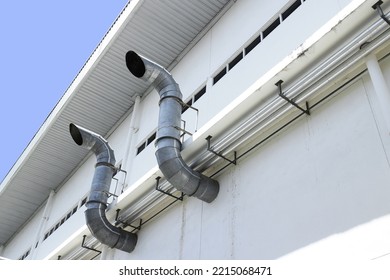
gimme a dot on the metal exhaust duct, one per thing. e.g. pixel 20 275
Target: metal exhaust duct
pixel 96 204
pixel 168 143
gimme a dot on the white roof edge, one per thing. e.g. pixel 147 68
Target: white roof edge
pixel 127 13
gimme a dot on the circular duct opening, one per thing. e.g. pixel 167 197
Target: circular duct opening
pixel 135 64
pixel 75 133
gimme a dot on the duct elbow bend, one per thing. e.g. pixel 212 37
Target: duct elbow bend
pixel 108 234
pixel 94 142
pixel 168 142
pixel 180 175
pixel 96 204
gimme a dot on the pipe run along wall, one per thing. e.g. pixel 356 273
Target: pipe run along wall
pixel 168 143
pixel 96 204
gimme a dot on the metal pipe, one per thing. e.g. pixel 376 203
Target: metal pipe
pixel 380 86
pixel 96 204
pixel 168 143
pixel 42 224
pixel 335 59
pixel 133 127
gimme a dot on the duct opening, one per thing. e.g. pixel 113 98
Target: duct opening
pixel 168 143
pixel 134 64
pixel 96 204
pixel 76 135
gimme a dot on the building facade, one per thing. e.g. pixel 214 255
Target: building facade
pixel 285 104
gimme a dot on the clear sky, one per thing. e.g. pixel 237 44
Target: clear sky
pixel 44 44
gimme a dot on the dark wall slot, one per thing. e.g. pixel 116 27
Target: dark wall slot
pixel 151 138
pixel 146 143
pixel 252 45
pixel 271 27
pixel 83 201
pixel 141 148
pixel 219 76
pixel 235 60
pixel 291 9
pixel 199 93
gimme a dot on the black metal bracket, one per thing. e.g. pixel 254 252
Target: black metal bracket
pixel 183 130
pixel 281 94
pixel 193 108
pixel 89 248
pixel 188 106
pixel 234 161
pixel 181 197
pixel 124 179
pixel 117 221
pixel 110 194
pixel 377 6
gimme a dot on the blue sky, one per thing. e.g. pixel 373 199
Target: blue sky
pixel 44 44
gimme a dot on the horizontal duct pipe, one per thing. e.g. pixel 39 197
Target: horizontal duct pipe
pixel 168 143
pixel 96 204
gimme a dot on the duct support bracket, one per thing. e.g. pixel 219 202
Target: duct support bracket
pixel 234 161
pixel 116 184
pixel 181 197
pixel 377 6
pixel 281 94
pixel 183 130
pixel 109 194
pixel 89 248
pixel 118 221
pixel 185 105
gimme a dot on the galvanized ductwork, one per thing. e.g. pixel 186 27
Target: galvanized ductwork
pixel 96 204
pixel 168 142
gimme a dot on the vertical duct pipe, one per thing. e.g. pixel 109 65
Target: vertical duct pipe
pixel 96 204
pixel 42 224
pixel 133 127
pixel 168 143
pixel 380 86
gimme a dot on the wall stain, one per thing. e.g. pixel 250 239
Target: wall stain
pixel 232 211
pixel 182 230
